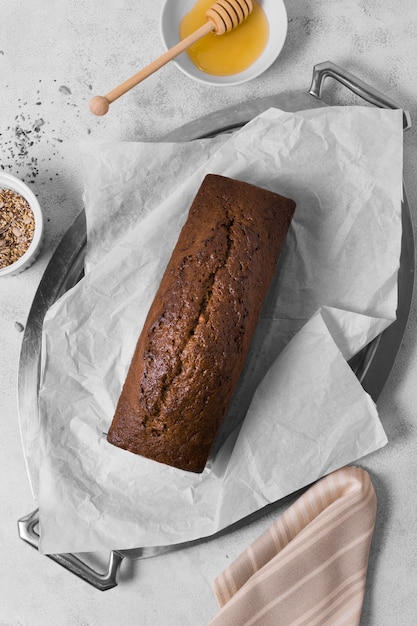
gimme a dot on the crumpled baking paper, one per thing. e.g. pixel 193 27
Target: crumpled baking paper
pixel 299 412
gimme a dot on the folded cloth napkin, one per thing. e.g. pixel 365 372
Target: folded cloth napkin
pixel 310 567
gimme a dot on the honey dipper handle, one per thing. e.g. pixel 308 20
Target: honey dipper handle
pixel 99 105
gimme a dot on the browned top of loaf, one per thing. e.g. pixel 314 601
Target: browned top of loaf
pixel 195 339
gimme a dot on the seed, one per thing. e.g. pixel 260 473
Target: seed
pixel 17 226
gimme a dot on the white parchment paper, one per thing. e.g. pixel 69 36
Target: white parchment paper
pixel 305 412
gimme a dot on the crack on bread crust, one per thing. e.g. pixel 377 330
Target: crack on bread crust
pixel 154 395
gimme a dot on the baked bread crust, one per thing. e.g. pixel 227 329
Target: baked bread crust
pixel 197 334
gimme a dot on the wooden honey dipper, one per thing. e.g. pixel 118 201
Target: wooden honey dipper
pixel 222 17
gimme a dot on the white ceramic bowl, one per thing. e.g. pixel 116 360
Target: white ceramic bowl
pixel 7 181
pixel 174 10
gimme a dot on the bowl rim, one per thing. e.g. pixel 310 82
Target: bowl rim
pixel 8 181
pixel 233 79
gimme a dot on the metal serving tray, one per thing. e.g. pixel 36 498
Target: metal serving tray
pixel 371 366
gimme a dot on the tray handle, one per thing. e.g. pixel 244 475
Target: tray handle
pixel 322 70
pixel 102 581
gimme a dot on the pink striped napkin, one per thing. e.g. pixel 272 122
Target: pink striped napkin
pixel 310 567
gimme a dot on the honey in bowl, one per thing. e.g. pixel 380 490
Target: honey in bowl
pixel 231 53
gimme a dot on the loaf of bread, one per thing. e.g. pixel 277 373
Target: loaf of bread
pixel 197 334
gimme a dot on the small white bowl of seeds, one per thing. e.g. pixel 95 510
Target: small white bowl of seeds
pixel 21 226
